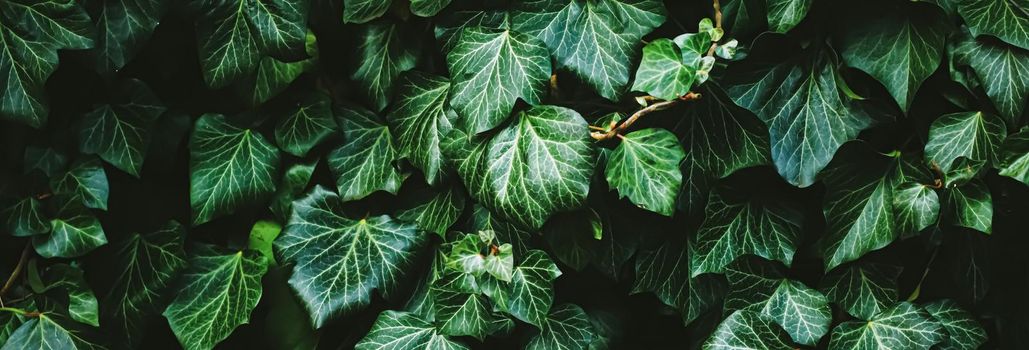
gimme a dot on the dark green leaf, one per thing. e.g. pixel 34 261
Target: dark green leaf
pixel 994 65
pixel 360 11
pixel 428 8
pixel 645 168
pixel 434 210
pixel 420 118
pixel 85 182
pixel 903 326
pixel 404 331
pixel 916 206
pixel 573 237
pixel 74 231
pixel 961 330
pixel 47 160
pixel 530 294
pixel 464 314
pixel 365 162
pixel 663 73
pixel 974 135
pixel 305 125
pixel 123 29
pixel 1004 19
pixel 783 15
pixel 382 56
pixel 1013 158
pixel 863 290
pixel 120 134
pixel 50 331
pixel 747 330
pixel 293 184
pixel 971 206
pixel 71 280
pixel 755 286
pixel 566 327
pixel 665 271
pixel 25 218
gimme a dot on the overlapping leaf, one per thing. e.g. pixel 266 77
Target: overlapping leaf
pixel 382 56
pixel 404 331
pixel 747 330
pixel 783 15
pixel 420 119
pixel 305 125
pixel 645 168
pixel 973 135
pixel 665 271
pixel 360 11
pixel 434 210
pixel 971 206
pixel 863 290
pixel 86 183
pixel 1004 19
pixel 51 331
pixel 365 162
pixel 756 286
pixel 74 231
pixel 961 330
pixel 123 27
pixel 995 65
pixel 903 326
pixel 566 327
pixel 120 133
pixel 1013 158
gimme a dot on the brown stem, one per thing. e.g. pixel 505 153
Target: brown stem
pixel 718 24
pixel 938 180
pixel 600 136
pixel 44 196
pixel 17 269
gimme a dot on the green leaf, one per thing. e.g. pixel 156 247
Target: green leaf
pixel 420 118
pixel 888 43
pixel 82 304
pixel 434 210
pixel 572 237
pixel 262 234
pixel 428 8
pixel 123 28
pixel 961 330
pixel 120 133
pixel 645 168
pixel 364 163
pixel 50 331
pixel 566 327
pixel 360 11
pixel 273 75
pixel 1004 19
pixel 85 182
pixel 293 184
pixel 74 231
pixel 804 135
pixel 747 330
pixel 405 331
pixel 596 40
pixel 665 271
pixel 230 167
pixel 146 265
pixel 500 262
pixel 382 55
pixel 466 255
pixel 482 220
pixel 464 314
pixel 234 35
pixel 971 206
pixel 917 206
pixel 339 261
pixel 491 69
pixel 663 73
pixel 974 135
pixel 30 35
pixel 783 15
pixel 756 286
pixel 735 226
pixel 537 166
pixel 743 18
pixel 530 293
pixel 25 217
pixel 863 290
pixel 903 326
pixel 1013 157
pixel 218 293
pixel 286 325
pixel 994 65
pixel 721 138
pixel 10 321
pixel 305 125
pixel 45 159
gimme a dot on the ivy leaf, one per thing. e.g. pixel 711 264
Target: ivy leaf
pixel 293 184
pixel 903 326
pixel 1004 19
pixel 25 217
pixel 747 330
pixel 804 136
pixel 420 119
pixel 566 327
pixel 123 28
pixel 382 56
pixel 663 73
pixel 45 159
pixel 539 165
pixel 85 182
pixel 466 256
pixel 233 36
pixel 994 65
pixel 596 40
pixel 482 220
pixel 971 206
pixel 974 135
pixel 147 264
pixel 30 36
pixel 395 330
pixel 230 167
pixel 500 264
pixel 339 261
pixel 917 207
pixel 10 321
pixel 464 314
pixel 1013 158
pixel 721 138
pixel 783 15
pixel 736 226
pixel 74 231
pixel 120 134
pixel 273 75
pixel 572 237
pixel 755 286
pixel 743 18
pixel 961 330
pixel 863 290
pixel 491 69
pixel 645 168
pixel 361 11
pixel 218 293
pixel 82 304
pixel 914 49
pixel 434 210
pixel 50 331
pixel 530 293
pixel 365 162
pixel 665 271
pixel 305 125
pixel 428 8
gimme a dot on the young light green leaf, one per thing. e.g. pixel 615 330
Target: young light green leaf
pixel 24 217
pixel 262 234
pixel 662 72
pixel 382 55
pixel 120 133
pixel 961 330
pixel 293 184
pixel 596 40
pixel 807 117
pixel 756 286
pixel 491 69
pixel 1013 158
pixel 903 326
pixel 146 265
pixel 665 271
pixel 218 294
pixel 566 327
pixel 74 231
pixel 783 15
pixel 974 135
pixel 339 261
pixel 900 50
pixel 365 162
pixel 123 27
pixel 500 262
pixel 736 226
pixel 482 220
pixel 994 65
pixel 434 210
pixel 428 8
pixel 51 331
pixel 420 119
pixel 361 11
pixel 85 182
pixel 863 290
pixel 395 330
pixel 305 125
pixel 645 168
pixel 1007 20
pixel 971 206
pixel 747 330
pixel 230 167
